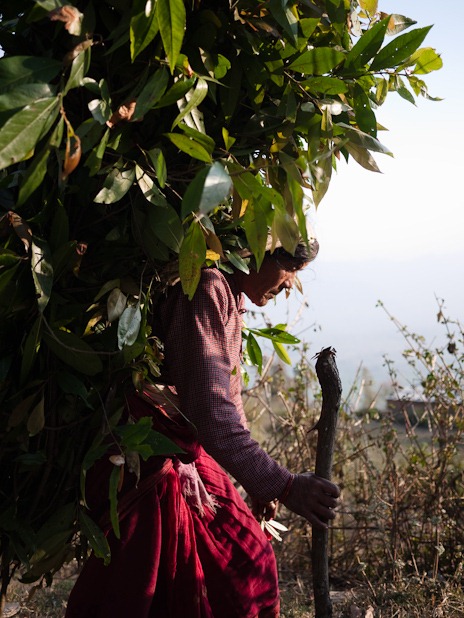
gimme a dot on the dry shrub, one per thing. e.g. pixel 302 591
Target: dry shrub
pixel 400 529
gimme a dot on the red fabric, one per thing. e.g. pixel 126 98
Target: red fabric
pixel 172 563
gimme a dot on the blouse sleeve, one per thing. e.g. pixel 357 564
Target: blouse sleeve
pixel 197 354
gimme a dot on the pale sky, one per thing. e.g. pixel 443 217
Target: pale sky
pixel 395 236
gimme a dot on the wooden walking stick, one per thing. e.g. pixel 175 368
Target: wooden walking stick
pixel 329 379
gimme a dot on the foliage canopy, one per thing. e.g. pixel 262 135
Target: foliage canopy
pixel 139 141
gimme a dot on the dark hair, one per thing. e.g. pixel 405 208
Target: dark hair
pixel 302 256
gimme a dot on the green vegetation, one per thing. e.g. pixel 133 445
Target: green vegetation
pixel 140 141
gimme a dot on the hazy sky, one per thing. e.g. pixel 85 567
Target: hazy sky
pixel 395 236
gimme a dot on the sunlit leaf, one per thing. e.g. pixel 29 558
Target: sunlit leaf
pixel 236 260
pixel 286 230
pixel 21 132
pixel 193 99
pixel 399 49
pixel 42 271
pixel 254 352
pixel 370 6
pixel 367 46
pixel 282 352
pixel 189 146
pixel 255 224
pixel 159 163
pixel 116 185
pixel 115 304
pixel 211 186
pixel 317 61
pixel 171 20
pixel 191 257
pixel 129 325
pixel 425 60
pixel 143 26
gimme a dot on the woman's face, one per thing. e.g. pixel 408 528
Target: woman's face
pixel 271 279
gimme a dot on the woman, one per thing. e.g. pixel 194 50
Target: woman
pixel 190 547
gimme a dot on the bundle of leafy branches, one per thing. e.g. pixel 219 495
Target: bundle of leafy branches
pixel 140 141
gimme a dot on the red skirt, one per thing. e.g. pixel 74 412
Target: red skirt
pixel 170 561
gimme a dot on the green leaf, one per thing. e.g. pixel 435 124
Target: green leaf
pixel 95 158
pixel 191 257
pixel 149 189
pixel 171 21
pixel 211 186
pixel 116 185
pixel 281 352
pixel 95 536
pixel 113 496
pixel 285 18
pixel 322 173
pixel 317 61
pixel 177 91
pixel 129 325
pixel 24 95
pixel 21 132
pixel 381 91
pixel 287 230
pixel 425 60
pixel 370 6
pixel 17 70
pixel 42 271
pixel 366 47
pixel 325 85
pixel 278 334
pixel 79 68
pixel 36 171
pixel 254 352
pixel 133 434
pixel 193 99
pixel 73 351
pixel 255 224
pixel 205 140
pixel 363 139
pixel 143 26
pixel 362 156
pixel 164 223
pixel 236 260
pixel 189 146
pixel 151 93
pixel 365 117
pixel 159 163
pixel 399 49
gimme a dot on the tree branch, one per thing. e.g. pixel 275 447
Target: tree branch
pixel 329 379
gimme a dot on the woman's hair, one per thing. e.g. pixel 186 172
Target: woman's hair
pixel 302 256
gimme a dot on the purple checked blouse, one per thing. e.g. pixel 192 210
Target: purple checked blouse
pixel 202 346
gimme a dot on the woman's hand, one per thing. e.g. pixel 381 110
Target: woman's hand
pixel 314 498
pixel 263 510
